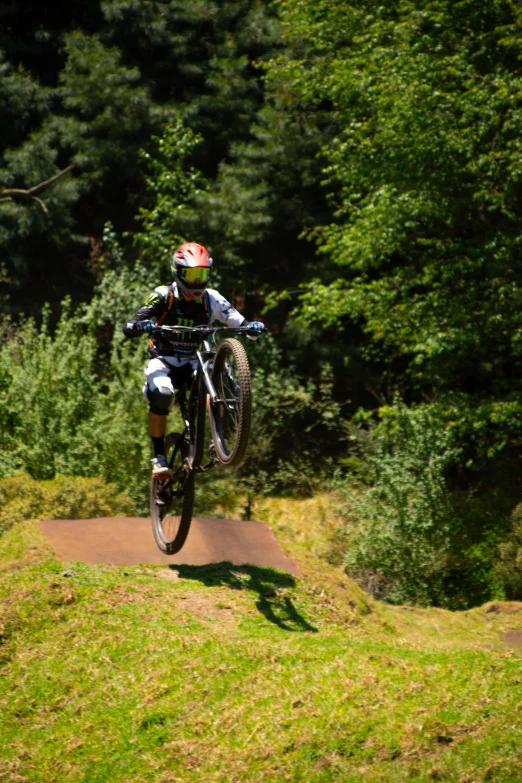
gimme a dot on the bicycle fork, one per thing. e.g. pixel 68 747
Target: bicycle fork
pixel 204 359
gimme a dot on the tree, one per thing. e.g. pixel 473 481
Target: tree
pixel 426 235
pixel 91 86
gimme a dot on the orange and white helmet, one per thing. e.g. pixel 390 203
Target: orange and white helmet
pixel 191 265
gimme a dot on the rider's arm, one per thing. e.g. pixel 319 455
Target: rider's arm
pixel 221 310
pixel 154 306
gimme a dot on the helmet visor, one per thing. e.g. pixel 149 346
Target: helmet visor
pixel 194 274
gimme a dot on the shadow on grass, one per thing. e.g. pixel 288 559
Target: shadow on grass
pixel 268 584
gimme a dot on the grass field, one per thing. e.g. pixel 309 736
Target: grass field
pixel 245 674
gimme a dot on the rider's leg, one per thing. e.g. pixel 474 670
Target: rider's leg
pixel 159 392
pixel 157 428
pixel 157 425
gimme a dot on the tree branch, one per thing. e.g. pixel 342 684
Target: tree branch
pixel 10 194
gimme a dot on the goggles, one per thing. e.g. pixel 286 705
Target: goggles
pixel 194 274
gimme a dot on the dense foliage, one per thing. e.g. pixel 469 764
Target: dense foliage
pixel 424 174
pixel 427 161
pixel 355 170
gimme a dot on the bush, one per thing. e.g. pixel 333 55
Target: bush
pixel 419 527
pixel 297 429
pixel 64 497
pixel 71 404
pixel 48 389
pixel 399 544
pixel 509 566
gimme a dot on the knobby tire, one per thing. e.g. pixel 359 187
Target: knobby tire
pixel 230 422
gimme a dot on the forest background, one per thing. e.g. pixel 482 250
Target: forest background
pixel 356 171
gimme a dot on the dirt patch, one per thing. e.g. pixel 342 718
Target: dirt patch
pixel 207 608
pixel 129 541
pixel 502 607
pixel 167 573
pixel 512 638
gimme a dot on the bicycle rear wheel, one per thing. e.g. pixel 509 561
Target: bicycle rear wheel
pixel 230 415
pixel 172 500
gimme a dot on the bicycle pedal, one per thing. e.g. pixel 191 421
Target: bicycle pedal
pixel 213 459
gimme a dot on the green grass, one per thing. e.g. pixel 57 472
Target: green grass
pixel 232 674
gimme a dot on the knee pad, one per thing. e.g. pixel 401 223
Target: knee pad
pixel 158 411
pixel 160 400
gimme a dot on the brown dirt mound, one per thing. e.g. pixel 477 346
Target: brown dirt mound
pixel 129 541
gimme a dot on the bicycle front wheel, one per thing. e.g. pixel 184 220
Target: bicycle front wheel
pixel 230 414
pixel 172 500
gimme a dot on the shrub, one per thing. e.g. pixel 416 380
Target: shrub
pixel 64 497
pixel 420 526
pixel 48 388
pixel 71 404
pixel 399 543
pixel 509 566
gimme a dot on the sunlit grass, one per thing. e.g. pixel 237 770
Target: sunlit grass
pixel 311 522
pixel 221 673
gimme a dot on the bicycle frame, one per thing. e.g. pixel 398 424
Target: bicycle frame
pixel 188 419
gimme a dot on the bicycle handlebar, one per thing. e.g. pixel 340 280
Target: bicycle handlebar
pixel 206 329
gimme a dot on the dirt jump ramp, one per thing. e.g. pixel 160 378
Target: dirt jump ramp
pixel 129 541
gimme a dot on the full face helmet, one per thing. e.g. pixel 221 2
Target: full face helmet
pixel 191 269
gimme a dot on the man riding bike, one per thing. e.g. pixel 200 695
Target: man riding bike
pixel 185 302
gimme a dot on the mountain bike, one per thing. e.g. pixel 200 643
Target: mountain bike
pixel 221 385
